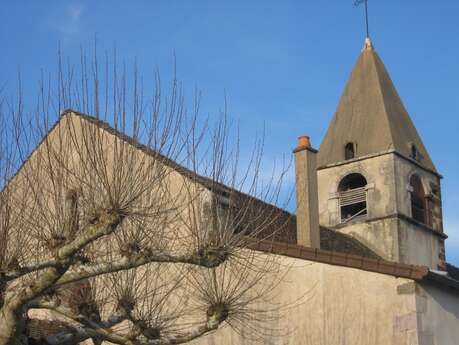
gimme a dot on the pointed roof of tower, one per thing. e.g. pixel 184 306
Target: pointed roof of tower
pixel 371 114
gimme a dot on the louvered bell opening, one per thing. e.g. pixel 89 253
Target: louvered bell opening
pixel 353 204
pixel 353 196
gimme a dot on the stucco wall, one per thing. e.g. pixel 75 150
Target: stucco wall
pixel 320 304
pixel 381 236
pixel 438 315
pixel 379 173
pixel 418 246
pixel 179 194
pixel 403 171
pixel 386 229
pixel 172 190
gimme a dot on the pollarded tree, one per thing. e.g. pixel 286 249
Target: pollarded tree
pixel 107 239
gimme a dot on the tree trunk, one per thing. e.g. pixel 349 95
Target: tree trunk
pixel 11 327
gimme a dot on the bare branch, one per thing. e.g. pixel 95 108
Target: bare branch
pixel 208 259
pixel 137 227
pixel 90 329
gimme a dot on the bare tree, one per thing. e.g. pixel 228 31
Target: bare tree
pixel 129 226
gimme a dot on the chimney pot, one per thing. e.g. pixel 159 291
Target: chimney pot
pixel 304 140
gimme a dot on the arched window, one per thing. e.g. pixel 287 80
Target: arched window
pixel 349 151
pixel 352 197
pixel 418 199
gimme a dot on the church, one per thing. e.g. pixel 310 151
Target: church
pixel 369 238
pixel 365 250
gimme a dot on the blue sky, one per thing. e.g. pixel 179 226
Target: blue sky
pixel 283 64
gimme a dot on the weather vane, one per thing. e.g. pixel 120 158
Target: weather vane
pixel 359 2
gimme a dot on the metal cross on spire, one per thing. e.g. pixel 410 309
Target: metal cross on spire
pixel 359 2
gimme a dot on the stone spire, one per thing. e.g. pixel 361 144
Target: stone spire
pixel 368 45
pixel 371 115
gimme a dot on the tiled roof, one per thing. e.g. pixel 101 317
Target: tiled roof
pixel 337 241
pixel 341 259
pixel 453 271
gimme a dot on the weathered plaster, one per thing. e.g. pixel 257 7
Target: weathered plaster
pixel 386 228
pixel 321 304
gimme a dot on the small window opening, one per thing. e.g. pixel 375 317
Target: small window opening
pixel 414 153
pixel 418 199
pixel 352 197
pixel 349 151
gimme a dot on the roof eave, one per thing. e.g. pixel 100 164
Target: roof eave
pixel 442 280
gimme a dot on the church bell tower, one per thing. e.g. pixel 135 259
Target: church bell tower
pixel 376 180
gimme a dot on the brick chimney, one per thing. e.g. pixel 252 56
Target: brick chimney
pixel 307 203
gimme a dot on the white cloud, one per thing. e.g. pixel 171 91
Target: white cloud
pixel 69 21
pixel 75 12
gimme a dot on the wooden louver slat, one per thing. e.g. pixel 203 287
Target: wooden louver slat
pixel 352 196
